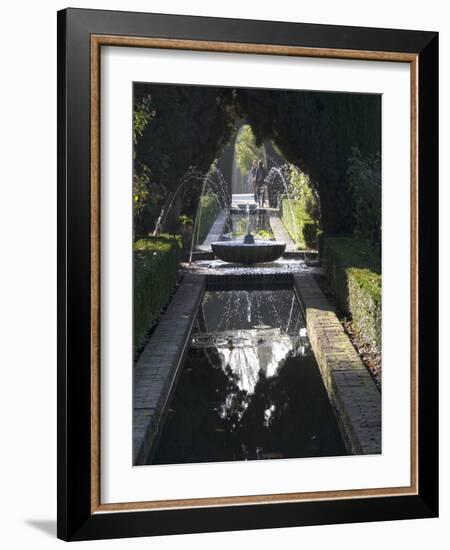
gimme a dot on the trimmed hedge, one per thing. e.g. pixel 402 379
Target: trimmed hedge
pixel 364 297
pixel 302 229
pixel 354 272
pixel 155 265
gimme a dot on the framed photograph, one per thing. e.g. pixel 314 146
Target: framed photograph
pixel 247 252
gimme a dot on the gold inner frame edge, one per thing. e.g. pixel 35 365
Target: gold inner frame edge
pixel 97 41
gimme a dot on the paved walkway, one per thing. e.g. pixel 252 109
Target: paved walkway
pixel 352 391
pixel 158 366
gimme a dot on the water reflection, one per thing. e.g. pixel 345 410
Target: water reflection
pixel 250 387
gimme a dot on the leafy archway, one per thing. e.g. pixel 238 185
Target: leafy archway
pixel 187 128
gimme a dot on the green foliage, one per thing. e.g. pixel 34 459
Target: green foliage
pixel 364 175
pixel 264 234
pixel 182 130
pixel 185 220
pixel 316 131
pixel 300 188
pixel 148 195
pixel 141 181
pixel 178 127
pixel 155 265
pixel 246 149
pixel 364 300
pixel 294 217
pixel 354 272
pixel 311 232
pixel 300 214
pixel 240 227
pixel 143 113
pixel 352 252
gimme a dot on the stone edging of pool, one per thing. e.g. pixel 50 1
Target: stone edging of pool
pixel 157 369
pixel 352 392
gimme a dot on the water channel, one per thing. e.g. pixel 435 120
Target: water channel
pixel 250 387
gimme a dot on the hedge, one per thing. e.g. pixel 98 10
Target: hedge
pixel 302 229
pixel 156 262
pixel 353 270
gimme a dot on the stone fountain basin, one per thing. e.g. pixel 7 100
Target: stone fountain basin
pixel 252 253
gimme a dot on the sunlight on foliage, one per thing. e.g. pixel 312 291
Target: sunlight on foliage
pixel 140 190
pixel 300 188
pixel 142 115
pixel 246 149
pixel 300 212
pixel 156 261
pixel 353 269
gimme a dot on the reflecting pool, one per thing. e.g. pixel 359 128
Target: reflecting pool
pixel 250 387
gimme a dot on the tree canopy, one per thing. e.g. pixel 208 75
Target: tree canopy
pixel 180 128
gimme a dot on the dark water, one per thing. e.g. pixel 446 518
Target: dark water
pixel 250 387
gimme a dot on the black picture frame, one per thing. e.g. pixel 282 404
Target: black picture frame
pixel 76 521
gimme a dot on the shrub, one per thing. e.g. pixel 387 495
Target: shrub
pixel 353 271
pixel 293 216
pixel 310 234
pixel 303 230
pixel 155 272
pixel 300 213
pixel 147 199
pixel 300 188
pixel 364 299
pixel 264 234
pixel 364 175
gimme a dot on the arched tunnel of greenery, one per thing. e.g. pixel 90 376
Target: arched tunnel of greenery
pixel 181 130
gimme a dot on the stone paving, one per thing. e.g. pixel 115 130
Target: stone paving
pixel 352 392
pixel 157 369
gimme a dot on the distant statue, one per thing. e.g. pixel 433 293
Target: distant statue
pixel 249 239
